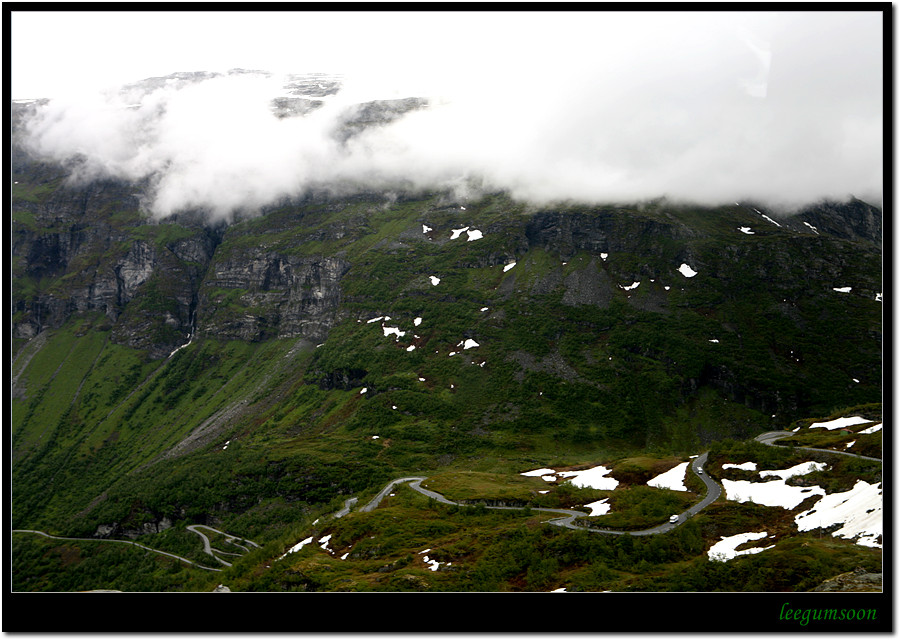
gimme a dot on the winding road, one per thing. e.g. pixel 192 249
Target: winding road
pixel 229 538
pixel 136 544
pixel 713 491
pixel 565 517
pixel 769 438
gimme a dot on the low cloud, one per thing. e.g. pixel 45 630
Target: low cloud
pixel 707 108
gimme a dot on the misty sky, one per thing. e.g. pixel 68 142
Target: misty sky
pixel 712 107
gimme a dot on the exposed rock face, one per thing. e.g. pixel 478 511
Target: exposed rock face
pixel 853 220
pixel 116 530
pixel 588 285
pixel 858 580
pixel 568 232
pixel 277 296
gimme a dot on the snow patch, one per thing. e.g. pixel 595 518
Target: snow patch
pixel 672 479
pixel 686 270
pixel 843 289
pixel 474 234
pixel 297 547
pixel 595 478
pixel 599 508
pixel 858 510
pixel 746 230
pixel 457 232
pixel 775 493
pixel 724 550
pixel 745 466
pixel 435 281
pixel 633 285
pixel 767 217
pixel 393 331
pixel 873 429
pixel 508 267
pixel 840 423
pixel 801 469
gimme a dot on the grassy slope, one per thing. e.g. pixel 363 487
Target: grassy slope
pixel 599 383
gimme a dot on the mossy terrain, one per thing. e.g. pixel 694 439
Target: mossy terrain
pixel 557 361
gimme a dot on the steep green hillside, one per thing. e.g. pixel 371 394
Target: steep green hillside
pixel 254 376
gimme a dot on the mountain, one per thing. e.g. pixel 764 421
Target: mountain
pixel 251 375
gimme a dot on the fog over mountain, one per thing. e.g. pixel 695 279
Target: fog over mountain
pixel 781 108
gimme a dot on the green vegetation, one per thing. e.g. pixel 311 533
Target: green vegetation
pixel 267 436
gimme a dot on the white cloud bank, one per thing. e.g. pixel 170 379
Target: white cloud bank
pixel 779 107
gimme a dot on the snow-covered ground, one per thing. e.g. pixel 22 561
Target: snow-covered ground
pixel 672 479
pixel 873 429
pixel 725 549
pixel 840 423
pixel 797 470
pixel 686 270
pixel 744 466
pixel 859 510
pixel 297 547
pixel 775 493
pixel 599 508
pixel 595 477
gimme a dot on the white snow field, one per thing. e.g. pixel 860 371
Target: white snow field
pixel 538 472
pixel 686 270
pixel 775 493
pixel 297 547
pixel 840 423
pixel 594 478
pixel 672 479
pixel 798 470
pixel 859 510
pixel 599 508
pixel 724 550
pixel 873 429
pixel 745 466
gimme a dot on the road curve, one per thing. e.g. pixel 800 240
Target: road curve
pixel 713 491
pixel 769 438
pixel 136 544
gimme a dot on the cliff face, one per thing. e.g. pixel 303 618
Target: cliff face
pixel 278 296
pixel 87 248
